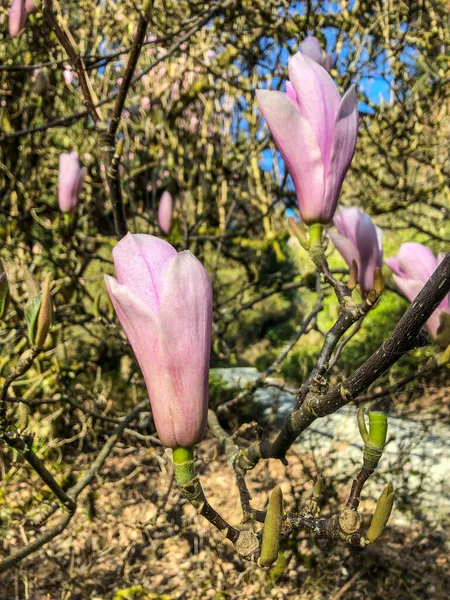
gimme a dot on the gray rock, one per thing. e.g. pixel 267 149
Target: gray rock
pixel 416 457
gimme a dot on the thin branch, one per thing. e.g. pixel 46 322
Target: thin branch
pixel 75 59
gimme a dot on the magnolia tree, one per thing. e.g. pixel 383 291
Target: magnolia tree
pixel 166 156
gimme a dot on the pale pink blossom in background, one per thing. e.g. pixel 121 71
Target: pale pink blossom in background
pixel 311 47
pixel 359 239
pixel 413 266
pixel 70 180
pixel 165 212
pixel 145 103
pixel 68 75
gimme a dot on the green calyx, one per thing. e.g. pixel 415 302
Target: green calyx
pixel 183 464
pixel 382 513
pixel 315 234
pixel 270 545
pixel 374 438
pixel 378 425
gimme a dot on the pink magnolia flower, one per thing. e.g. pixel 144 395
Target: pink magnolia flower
pixel 361 240
pixel 68 75
pixel 145 103
pixel 311 47
pixel 71 179
pixel 165 212
pixel 413 267
pixel 315 131
pixel 163 300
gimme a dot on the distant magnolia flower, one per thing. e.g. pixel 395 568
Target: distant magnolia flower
pixel 163 300
pixel 145 103
pixel 315 131
pixel 358 239
pixel 68 75
pixel 413 266
pixel 71 179
pixel 311 47
pixel 165 212
pixel 17 15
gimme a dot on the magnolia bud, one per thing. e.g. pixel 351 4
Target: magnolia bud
pixel 38 311
pixel 378 281
pixel 4 290
pixel 353 279
pixel 270 545
pixel 45 318
pixel 382 513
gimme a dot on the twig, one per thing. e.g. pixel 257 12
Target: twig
pixel 73 493
pixel 75 59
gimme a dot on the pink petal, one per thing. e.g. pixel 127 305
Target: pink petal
pixel 291 92
pixel 311 48
pixel 69 172
pixel 416 261
pixel 142 330
pixel 346 247
pixel 165 212
pixel 298 146
pixel 141 262
pixel 342 150
pixel 409 287
pixel 346 220
pixel 17 17
pixel 370 255
pixel 318 98
pixel 392 263
pixel 185 325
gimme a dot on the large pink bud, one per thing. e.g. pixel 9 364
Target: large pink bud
pixel 315 131
pixel 164 302
pixel 311 47
pixel 71 179
pixel 361 240
pixel 165 212
pixel 413 267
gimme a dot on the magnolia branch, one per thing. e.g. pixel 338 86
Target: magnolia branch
pixel 405 337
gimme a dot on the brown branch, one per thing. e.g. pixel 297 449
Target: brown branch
pixel 259 382
pixel 74 57
pixel 405 337
pixel 24 363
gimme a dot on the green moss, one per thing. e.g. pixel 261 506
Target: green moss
pixel 137 592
